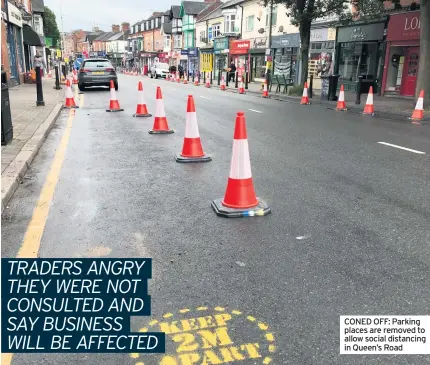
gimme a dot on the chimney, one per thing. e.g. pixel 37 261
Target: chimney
pixel 125 26
pixel 115 28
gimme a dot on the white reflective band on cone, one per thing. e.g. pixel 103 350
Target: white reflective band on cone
pixel 305 91
pixel 240 167
pixel 141 98
pixel 369 99
pixel 159 108
pixel 191 127
pixel 112 94
pixel 341 96
pixel 420 104
pixel 69 93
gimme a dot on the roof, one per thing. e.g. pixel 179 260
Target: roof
pixel 231 3
pixel 104 36
pixel 38 6
pixel 212 11
pixel 174 11
pixel 118 36
pixel 167 28
pixel 167 12
pixel 193 7
pixel 92 36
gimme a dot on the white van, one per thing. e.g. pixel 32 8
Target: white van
pixel 159 69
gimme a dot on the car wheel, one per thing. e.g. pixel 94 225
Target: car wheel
pixel 152 76
pixel 156 76
pixel 81 87
pixel 116 86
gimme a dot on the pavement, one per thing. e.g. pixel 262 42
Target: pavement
pixel 31 125
pixel 348 233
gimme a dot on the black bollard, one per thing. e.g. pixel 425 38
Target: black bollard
pixel 236 85
pixel 39 101
pixel 194 77
pixel 219 77
pixel 57 79
pixel 246 80
pixel 358 91
pixel 211 77
pixel 227 76
pixel 311 84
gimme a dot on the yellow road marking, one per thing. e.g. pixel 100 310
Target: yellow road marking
pixel 267 360
pixel 202 308
pixel 272 348
pixel 236 312
pixel 153 322
pixel 185 310
pixel 31 244
pixel 134 355
pixel 252 319
pixel 167 315
pixel 263 326
pixel 219 309
pixel 269 337
pixel 143 329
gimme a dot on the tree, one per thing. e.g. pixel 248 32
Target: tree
pixel 423 81
pixel 50 28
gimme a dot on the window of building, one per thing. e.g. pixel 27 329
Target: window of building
pixel 229 23
pixel 152 24
pixel 358 58
pixel 250 23
pixel 216 30
pixel 139 28
pixel 167 41
pixel 177 41
pixel 210 35
pixel 203 36
pixel 274 15
pixel 189 39
pixel 162 19
pixel 38 27
pixel 147 25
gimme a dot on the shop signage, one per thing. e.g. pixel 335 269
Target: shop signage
pixel 319 35
pixel 162 55
pixel 360 33
pixel 402 27
pixel 240 47
pixel 184 52
pixel 192 52
pixel 143 54
pixel 286 40
pixel 220 44
pixel 259 43
pixel 14 15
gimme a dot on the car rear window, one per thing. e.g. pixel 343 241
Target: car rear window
pixel 163 66
pixel 91 64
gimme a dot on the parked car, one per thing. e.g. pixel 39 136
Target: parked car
pixel 159 69
pixel 96 72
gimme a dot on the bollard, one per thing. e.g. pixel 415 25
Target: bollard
pixel 39 101
pixel 194 76
pixel 227 74
pixel 246 80
pixel 237 82
pixel 204 77
pixel 211 77
pixel 57 79
pixel 358 91
pixel 219 77
pixel 311 84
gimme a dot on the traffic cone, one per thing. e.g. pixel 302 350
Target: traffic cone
pixel 196 80
pixel 185 81
pixel 418 113
pixel 223 87
pixel 265 91
pixel 208 81
pixel 160 120
pixel 75 77
pixel 141 110
pixel 241 88
pixel 172 78
pixel 369 109
pixel 305 98
pixel 113 104
pixel 240 199
pixel 70 101
pixel 192 150
pixel 341 101
pixel 178 78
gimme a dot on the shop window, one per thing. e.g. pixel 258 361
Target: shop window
pixel 250 23
pixel 357 58
pixel 316 45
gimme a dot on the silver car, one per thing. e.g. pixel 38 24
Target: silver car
pixel 96 72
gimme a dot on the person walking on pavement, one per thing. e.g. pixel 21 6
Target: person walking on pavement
pixel 39 62
pixel 232 72
pixel 181 71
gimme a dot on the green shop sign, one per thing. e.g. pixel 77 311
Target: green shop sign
pixel 220 44
pixel 48 42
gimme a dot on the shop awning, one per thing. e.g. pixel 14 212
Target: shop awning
pixel 31 38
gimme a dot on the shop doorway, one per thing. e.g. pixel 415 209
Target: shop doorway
pixel 410 72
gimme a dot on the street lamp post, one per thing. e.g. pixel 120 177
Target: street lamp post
pixel 268 70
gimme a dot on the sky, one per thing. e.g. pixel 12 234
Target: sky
pixel 85 14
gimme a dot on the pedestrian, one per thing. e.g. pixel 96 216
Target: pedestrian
pixel 39 62
pixel 181 71
pixel 232 71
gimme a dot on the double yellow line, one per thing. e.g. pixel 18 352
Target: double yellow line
pixel 31 243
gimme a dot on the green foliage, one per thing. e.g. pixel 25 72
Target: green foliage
pixel 296 90
pixel 50 27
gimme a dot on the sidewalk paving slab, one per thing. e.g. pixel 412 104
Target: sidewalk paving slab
pixel 31 125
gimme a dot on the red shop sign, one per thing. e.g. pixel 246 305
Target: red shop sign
pixel 403 27
pixel 240 47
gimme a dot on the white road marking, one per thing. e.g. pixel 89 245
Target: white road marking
pixel 253 110
pixel 402 148
pixel 204 97
pixel 154 84
pixel 306 236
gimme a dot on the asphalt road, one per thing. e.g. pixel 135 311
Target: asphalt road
pixel 349 231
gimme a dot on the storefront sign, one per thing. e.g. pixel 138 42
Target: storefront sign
pixel 331 34
pixel 162 55
pixel 143 54
pixel 404 27
pixel 220 44
pixel 319 35
pixel 184 52
pixel 14 15
pixel 240 47
pixel 192 52
pixel 286 40
pixel 360 33
pixel 259 43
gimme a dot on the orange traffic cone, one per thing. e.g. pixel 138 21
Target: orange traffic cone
pixel 305 97
pixel 265 91
pixel 141 110
pixel 70 101
pixel 241 88
pixel 223 87
pixel 185 81
pixel 113 104
pixel 172 78
pixel 240 199
pixel 208 81
pixel 178 78
pixel 192 150
pixel 341 101
pixel 160 121
pixel 369 109
pixel 418 113
pixel 196 80
pixel 75 77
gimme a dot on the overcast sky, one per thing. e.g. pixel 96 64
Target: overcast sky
pixel 84 14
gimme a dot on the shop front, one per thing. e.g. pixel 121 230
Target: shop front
pixel 163 57
pixel 239 51
pixel 402 54
pixel 285 49
pixel 359 51
pixel 221 52
pixel 148 59
pixel 193 60
pixel 321 54
pixel 258 58
pixel 183 60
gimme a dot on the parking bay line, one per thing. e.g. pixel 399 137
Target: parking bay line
pixel 205 97
pixel 256 111
pixel 402 148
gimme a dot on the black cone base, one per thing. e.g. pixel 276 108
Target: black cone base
pixel 180 158
pixel 260 210
pixel 152 131
pixel 142 115
pixel 114 110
